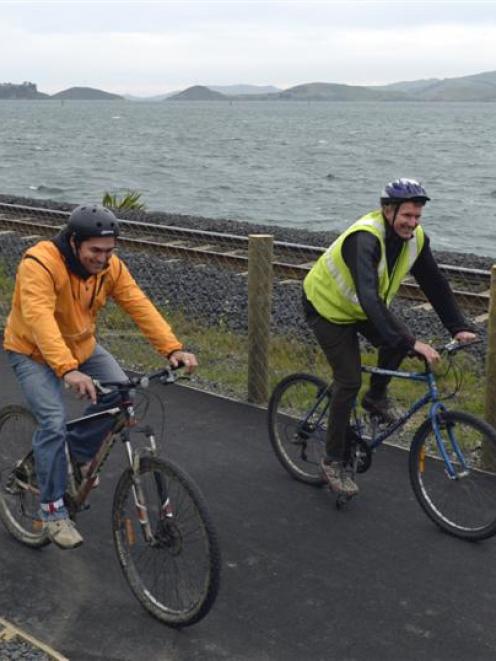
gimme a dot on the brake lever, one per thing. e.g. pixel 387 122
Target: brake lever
pixel 101 389
pixel 456 345
pixel 172 376
pixel 168 377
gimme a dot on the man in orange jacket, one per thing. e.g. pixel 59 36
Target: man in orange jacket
pixel 50 341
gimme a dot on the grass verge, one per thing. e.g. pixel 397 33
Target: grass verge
pixel 223 357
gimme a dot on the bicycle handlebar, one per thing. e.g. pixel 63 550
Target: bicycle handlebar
pixel 454 345
pixel 166 376
pixel 450 348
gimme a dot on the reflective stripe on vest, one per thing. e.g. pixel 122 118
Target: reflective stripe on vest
pixel 329 286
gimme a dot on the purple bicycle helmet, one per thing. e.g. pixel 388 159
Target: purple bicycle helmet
pixel 404 190
pixel 92 220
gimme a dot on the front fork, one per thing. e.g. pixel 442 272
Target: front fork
pixel 438 410
pixel 134 459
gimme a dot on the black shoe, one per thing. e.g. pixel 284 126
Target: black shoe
pixel 382 408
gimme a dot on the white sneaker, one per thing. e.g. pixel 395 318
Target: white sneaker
pixel 63 533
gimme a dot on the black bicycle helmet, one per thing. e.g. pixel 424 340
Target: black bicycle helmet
pixel 92 220
pixel 404 190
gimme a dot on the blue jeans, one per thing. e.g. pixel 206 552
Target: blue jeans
pixel 43 390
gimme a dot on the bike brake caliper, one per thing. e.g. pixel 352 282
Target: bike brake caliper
pixel 167 512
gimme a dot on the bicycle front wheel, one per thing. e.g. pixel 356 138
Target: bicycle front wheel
pixel 297 419
pixel 19 493
pixel 463 503
pixel 174 573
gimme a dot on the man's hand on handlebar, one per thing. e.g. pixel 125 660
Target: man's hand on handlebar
pixel 426 351
pixel 81 384
pixel 465 336
pixel 183 358
pixel 431 355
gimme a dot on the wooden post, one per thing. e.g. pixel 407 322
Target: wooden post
pixel 490 408
pixel 259 313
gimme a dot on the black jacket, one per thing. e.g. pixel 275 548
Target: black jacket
pixel 362 253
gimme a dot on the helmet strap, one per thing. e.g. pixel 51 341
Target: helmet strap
pixel 395 214
pixel 75 244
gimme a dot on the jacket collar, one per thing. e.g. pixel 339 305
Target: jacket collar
pixel 73 263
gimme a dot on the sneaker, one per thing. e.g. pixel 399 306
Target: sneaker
pixel 382 408
pixel 63 533
pixel 85 469
pixel 338 478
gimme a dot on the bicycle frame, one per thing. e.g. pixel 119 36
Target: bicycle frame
pixel 432 395
pixel 124 414
pixel 437 407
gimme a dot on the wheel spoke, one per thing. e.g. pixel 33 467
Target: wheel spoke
pixel 298 412
pixel 466 504
pixel 19 496
pixel 176 575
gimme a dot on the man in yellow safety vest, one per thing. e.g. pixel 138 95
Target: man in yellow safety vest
pixel 348 291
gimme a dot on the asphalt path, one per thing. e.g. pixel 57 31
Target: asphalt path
pixel 300 580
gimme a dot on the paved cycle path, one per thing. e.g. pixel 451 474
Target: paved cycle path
pixel 300 581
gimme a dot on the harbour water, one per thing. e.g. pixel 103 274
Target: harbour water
pixel 302 165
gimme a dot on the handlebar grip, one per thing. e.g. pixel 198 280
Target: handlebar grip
pixel 454 345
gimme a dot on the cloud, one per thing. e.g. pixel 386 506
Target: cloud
pixel 153 48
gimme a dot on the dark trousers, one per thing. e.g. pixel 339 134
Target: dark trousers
pixel 340 344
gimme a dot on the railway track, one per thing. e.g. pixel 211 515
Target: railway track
pixel 291 261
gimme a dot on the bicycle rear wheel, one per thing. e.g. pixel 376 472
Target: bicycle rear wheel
pixel 297 419
pixel 176 574
pixel 463 505
pixel 19 494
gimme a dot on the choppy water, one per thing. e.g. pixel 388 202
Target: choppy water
pixel 312 165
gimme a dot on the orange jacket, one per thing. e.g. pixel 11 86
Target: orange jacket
pixel 53 315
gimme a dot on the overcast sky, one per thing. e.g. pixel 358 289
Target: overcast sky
pixel 153 47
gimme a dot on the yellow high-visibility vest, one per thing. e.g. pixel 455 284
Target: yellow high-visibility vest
pixel 330 287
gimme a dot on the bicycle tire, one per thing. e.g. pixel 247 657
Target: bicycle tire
pixel 176 578
pixel 465 506
pixel 19 495
pixel 299 445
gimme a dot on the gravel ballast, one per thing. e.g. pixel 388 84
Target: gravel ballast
pixel 291 235
pixel 214 293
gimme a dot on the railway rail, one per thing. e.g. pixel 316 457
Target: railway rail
pixel 291 261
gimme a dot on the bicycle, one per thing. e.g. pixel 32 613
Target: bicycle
pixel 452 457
pixel 164 537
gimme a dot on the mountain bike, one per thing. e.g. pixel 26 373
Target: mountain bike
pixel 164 537
pixel 452 457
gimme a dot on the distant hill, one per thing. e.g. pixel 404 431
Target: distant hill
pixel 198 93
pixel 227 90
pixel 480 87
pixel 306 92
pixel 337 92
pixel 476 87
pixel 409 87
pixel 86 94
pixel 25 90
